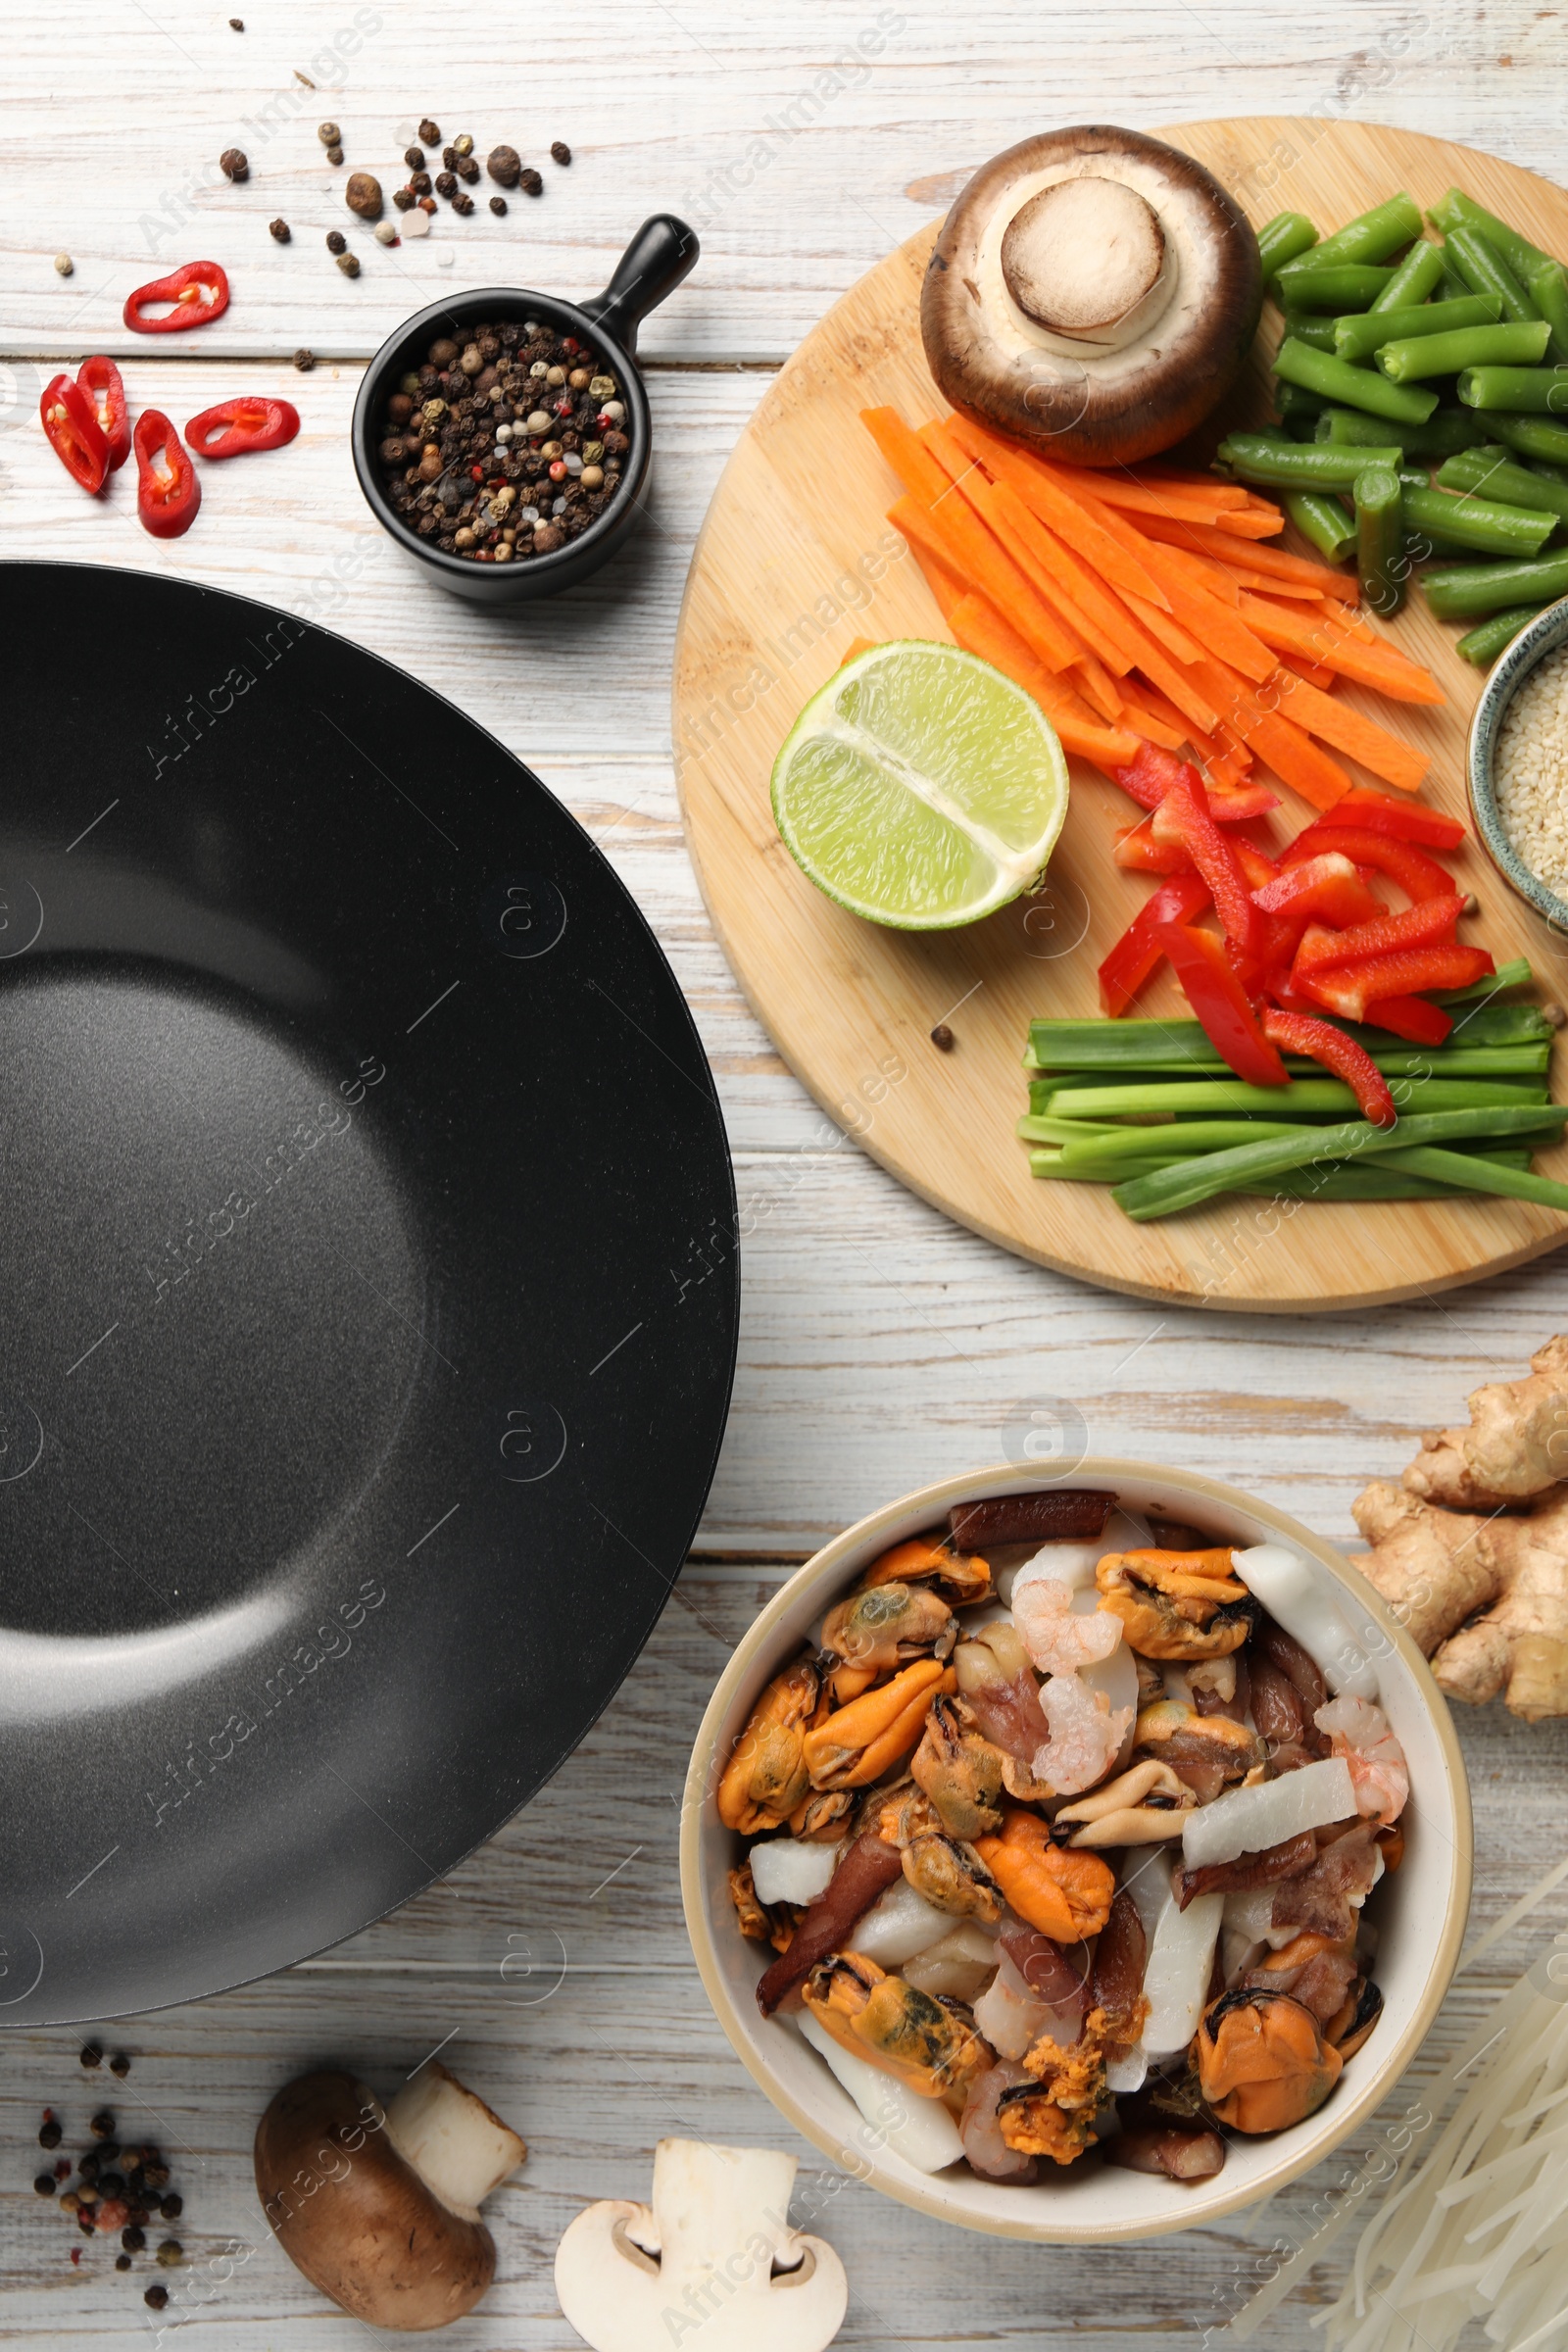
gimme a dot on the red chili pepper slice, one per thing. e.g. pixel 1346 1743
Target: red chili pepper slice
pixel 1350 990
pixel 167 493
pixel 1183 817
pixel 105 388
pixel 1140 949
pixel 1433 923
pixel 233 427
pixel 66 416
pixel 1299 1033
pixel 1413 1018
pixel 1217 997
pixel 1418 875
pixel 197 290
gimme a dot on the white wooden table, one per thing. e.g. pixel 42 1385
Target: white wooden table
pixel 880 1346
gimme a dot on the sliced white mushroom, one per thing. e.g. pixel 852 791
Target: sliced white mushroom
pixel 713 2260
pixel 1299 1596
pixel 920 2130
pixel 1249 1821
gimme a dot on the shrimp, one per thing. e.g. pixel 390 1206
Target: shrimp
pixel 1360 1734
pixel 1058 1641
pixel 1086 1734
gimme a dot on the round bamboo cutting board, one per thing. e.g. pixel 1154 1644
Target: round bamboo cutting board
pixel 795 561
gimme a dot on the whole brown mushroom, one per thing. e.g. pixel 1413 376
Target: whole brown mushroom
pixel 380 2206
pixel 1091 291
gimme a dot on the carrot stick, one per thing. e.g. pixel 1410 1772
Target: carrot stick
pixel 855 648
pixel 959 540
pixel 914 467
pixel 981 629
pixel 944 584
pixel 1166 726
pixel 1316 674
pixel 1293 754
pixel 1324 639
pixel 1170 633
pixel 1250 522
pixel 1385 755
pixel 1113 490
pixel 1140 697
pixel 1261 583
pixel 1204 541
pixel 1035 483
pixel 1216 628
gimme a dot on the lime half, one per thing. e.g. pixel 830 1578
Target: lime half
pixel 920 787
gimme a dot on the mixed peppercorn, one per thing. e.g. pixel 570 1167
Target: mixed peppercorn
pixel 508 445
pixel 118 2187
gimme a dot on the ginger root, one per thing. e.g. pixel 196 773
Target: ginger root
pixel 1483 1589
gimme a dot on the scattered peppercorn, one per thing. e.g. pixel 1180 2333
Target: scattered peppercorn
pixel 942 1038
pixel 559 152
pixel 504 164
pixel 531 183
pixel 413 157
pixel 329 134
pixel 169 2253
pixel 133 2240
pixel 172 2207
pixel 65 266
pixel 235 163
pixel 91 2054
pixel 156 2298
pixel 385 232
pixel 349 264
pixel 498 205
pixel 430 132
pixel 362 195
pixel 304 360
pixel 446 184
pixel 462 204
pixel 236 24
pixel 51 2135
pixel 1553 1015
pixel 121 2262
pixel 44 2184
pixel 334 155
pixel 280 229
pixel 102 2126
pixel 336 241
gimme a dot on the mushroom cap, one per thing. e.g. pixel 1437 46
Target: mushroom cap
pixel 1076 222
pixel 357 2220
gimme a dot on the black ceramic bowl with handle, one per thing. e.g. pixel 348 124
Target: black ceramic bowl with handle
pixel 661 253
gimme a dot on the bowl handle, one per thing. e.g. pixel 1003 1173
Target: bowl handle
pixel 661 253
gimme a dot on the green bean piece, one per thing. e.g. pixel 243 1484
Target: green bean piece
pixel 1468 591
pixel 1371 236
pixel 1191 1180
pixel 1479 346
pixel 1483 523
pixel 1485 271
pixel 1419 275
pixel 1484 643
pixel 1296 466
pixel 1459 211
pixel 1379 560
pixel 1548 288
pixel 1474 1174
pixel 1303 286
pixel 1353 429
pixel 1547 473
pixel 1322 522
pixel 1318 334
pixel 1298 412
pixel 1530 436
pixel 1472 470
pixel 1281 239
pixel 1357 388
pixel 1540 391
pixel 1422 547
pixel 1365 332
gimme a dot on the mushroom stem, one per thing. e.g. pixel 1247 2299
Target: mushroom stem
pixel 459 2148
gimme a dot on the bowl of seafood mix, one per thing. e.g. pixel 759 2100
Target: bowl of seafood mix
pixel 1076 1861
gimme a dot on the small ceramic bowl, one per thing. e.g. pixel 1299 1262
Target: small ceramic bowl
pixel 1538 638
pixel 660 256
pixel 1421 1908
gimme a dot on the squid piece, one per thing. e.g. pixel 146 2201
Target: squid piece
pixel 1262 2060
pixel 959 1769
pixel 859 1742
pixel 868 1868
pixel 1177 1604
pixel 766 1776
pixel 1066 1896
pixel 930 2044
pixel 1181 1956
pixel 1268 1867
pixel 1299 1596
pixel 1013 2016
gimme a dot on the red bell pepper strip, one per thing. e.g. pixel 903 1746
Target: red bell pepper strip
pixel 1299 1033
pixel 1405 820
pixel 1140 947
pixel 1257 868
pixel 1350 990
pixel 1414 1018
pixel 1327 886
pixel 1432 923
pixel 1183 818
pixel 247 422
pixel 1418 875
pixel 167 493
pixel 66 416
pixel 105 388
pixel 1152 772
pixel 1217 997
pixel 197 290
pixel 1141 854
